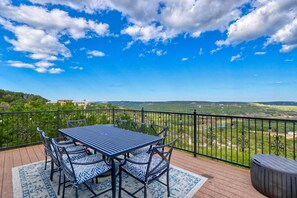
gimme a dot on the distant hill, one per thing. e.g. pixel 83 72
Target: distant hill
pixel 16 100
pixel 261 109
pixel 281 103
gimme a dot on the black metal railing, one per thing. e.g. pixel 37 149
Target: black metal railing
pixel 233 139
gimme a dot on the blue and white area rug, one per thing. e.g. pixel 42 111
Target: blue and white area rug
pixel 33 181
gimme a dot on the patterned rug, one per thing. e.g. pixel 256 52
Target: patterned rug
pixel 33 181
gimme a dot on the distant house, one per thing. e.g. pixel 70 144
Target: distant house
pixel 62 102
pixel 83 103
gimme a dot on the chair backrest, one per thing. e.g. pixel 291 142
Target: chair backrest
pixel 76 123
pixel 138 127
pixel 64 161
pixel 39 131
pixel 48 147
pixel 159 130
pixel 123 124
pixel 164 162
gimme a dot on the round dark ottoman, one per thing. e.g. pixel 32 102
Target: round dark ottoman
pixel 274 176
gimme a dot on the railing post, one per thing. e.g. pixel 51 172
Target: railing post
pixel 142 115
pixel 58 119
pixel 112 115
pixel 195 133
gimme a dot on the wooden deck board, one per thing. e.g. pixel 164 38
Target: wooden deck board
pixel 1 171
pixel 7 176
pixel 224 180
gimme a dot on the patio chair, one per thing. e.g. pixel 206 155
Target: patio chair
pixel 123 124
pixel 148 167
pixel 79 171
pixel 76 123
pixel 138 127
pixel 43 138
pixel 50 151
pixel 157 130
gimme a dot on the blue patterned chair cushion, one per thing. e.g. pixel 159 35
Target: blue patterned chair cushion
pixel 140 150
pixel 68 141
pixel 86 172
pixel 139 170
pixel 74 157
pixel 69 148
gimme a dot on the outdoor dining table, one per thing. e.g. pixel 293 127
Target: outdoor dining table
pixel 110 142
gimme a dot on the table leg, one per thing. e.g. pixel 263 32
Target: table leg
pixel 113 178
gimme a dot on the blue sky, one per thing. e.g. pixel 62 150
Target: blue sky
pixel 156 50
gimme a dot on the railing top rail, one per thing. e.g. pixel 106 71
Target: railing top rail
pixel 26 112
pixel 168 112
pixel 215 115
pixel 48 111
pixel 101 109
pixel 151 111
pixel 133 110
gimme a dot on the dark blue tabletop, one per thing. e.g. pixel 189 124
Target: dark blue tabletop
pixel 109 140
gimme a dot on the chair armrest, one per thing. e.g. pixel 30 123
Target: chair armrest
pixel 77 151
pixel 134 162
pixel 62 143
pixel 161 146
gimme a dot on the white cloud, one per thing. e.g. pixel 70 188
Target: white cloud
pixel 101 29
pixel 96 53
pixel 55 70
pixel 200 51
pixel 34 41
pixel 46 57
pixel 234 58
pixel 158 52
pixel 44 64
pixel 41 67
pixel 20 64
pixel 184 59
pixel 53 22
pixel 260 53
pixel 41 33
pixel 287 36
pixel 272 19
pixel 88 6
pixel 141 55
pixel 78 68
pixel 215 50
pixel 147 33
pixel 166 19
pixel 289 60
pixel 129 44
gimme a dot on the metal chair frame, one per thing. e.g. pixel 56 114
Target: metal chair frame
pixel 137 126
pixel 61 151
pixel 123 124
pixel 159 169
pixel 76 123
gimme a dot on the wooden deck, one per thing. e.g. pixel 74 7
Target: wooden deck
pixel 224 180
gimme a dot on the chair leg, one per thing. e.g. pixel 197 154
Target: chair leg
pixel 76 192
pixel 52 169
pixel 168 190
pixel 59 182
pixel 45 161
pixel 145 191
pixel 120 183
pixel 64 181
